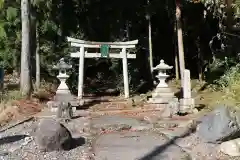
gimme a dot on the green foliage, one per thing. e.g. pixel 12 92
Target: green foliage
pixel 36 3
pixel 49 27
pixel 3 34
pixel 10 96
pixel 116 21
pixel 229 83
pixel 11 14
pixel 9 35
pixel 226 78
pixel 1 4
pixel 230 78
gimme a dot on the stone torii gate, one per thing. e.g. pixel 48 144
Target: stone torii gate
pixel 104 53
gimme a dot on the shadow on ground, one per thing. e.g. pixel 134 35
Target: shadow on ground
pixel 12 86
pixel 76 117
pixel 16 124
pixel 87 105
pixel 200 106
pixel 158 150
pixel 74 143
pixel 11 139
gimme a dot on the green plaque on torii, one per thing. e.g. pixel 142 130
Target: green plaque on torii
pixel 104 50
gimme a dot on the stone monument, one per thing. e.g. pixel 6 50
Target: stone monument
pixel 63 94
pixel 162 94
pixel 187 102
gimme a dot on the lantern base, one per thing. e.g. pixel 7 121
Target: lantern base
pixel 162 92
pixel 162 96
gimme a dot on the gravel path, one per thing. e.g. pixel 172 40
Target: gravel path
pixel 18 143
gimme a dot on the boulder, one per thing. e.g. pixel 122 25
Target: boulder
pixel 219 125
pixel 52 135
pixel 231 148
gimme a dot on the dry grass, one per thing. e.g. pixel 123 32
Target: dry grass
pixel 8 114
pixel 7 110
pixel 13 106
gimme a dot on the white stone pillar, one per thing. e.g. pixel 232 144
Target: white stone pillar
pixel 187 102
pixel 81 73
pixel 125 72
pixel 186 84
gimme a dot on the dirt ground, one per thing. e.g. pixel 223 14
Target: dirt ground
pixel 19 109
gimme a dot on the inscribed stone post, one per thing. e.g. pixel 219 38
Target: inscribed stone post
pixel 186 84
pixel 187 102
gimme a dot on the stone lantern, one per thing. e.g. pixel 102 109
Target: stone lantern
pixel 62 66
pixel 63 93
pixel 162 94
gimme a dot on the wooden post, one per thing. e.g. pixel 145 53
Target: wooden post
pixel 81 73
pixel 125 73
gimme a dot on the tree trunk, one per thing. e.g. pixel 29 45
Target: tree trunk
pixel 25 77
pixel 176 67
pixel 229 13
pixel 200 61
pixel 200 71
pixel 180 41
pixel 176 53
pixel 37 60
pixel 150 41
pixel 150 44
